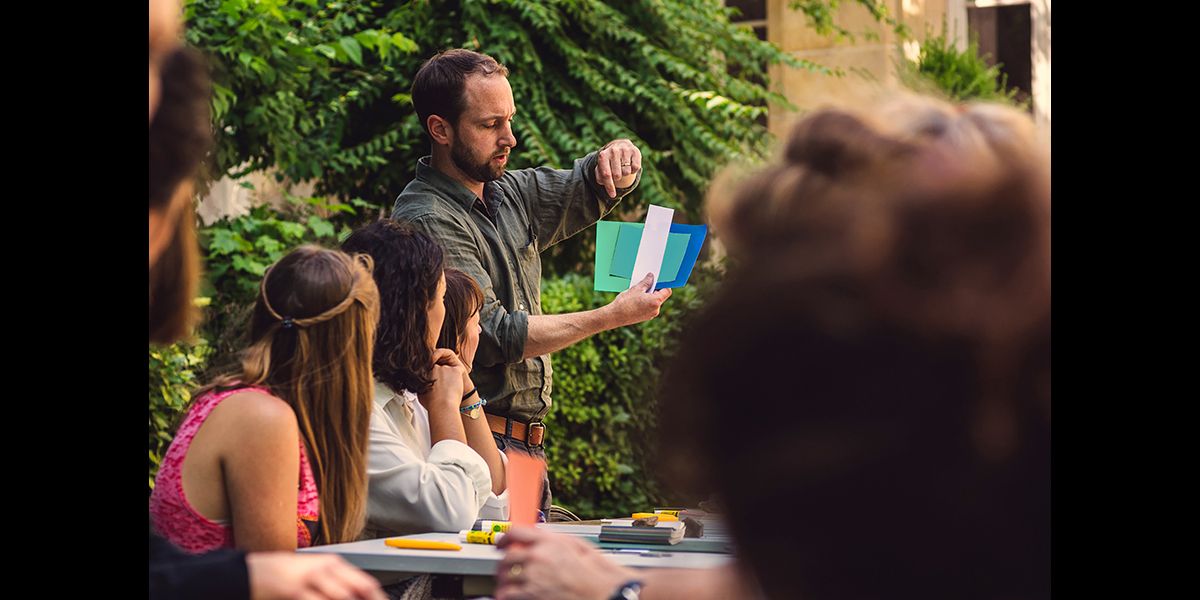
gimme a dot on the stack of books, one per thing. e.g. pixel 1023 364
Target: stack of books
pixel 623 531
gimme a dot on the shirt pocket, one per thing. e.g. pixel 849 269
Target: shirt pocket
pixel 531 274
pixel 531 241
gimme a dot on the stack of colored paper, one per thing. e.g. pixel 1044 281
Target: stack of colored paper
pixel 623 531
pixel 669 251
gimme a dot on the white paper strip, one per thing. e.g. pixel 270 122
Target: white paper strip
pixel 653 244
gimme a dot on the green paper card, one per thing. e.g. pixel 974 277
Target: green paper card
pixel 606 246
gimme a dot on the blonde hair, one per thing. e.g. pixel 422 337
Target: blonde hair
pixel 313 332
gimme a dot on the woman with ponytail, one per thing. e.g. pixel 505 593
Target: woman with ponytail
pixel 273 456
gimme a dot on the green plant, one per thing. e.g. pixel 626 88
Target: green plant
pixel 287 76
pixel 174 372
pixel 958 75
pixel 237 251
pixel 677 77
pixel 601 431
pixel 820 15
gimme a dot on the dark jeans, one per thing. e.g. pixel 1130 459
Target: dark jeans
pixel 507 444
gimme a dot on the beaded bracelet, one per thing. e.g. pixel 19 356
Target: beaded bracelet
pixel 467 409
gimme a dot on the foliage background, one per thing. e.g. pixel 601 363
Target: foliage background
pixel 317 90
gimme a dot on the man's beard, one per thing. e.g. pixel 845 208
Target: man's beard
pixel 484 171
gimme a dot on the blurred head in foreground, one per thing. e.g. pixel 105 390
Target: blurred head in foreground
pixel 875 372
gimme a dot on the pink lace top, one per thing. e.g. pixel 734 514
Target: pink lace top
pixel 174 517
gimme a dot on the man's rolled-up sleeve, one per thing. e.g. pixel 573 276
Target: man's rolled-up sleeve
pixel 562 202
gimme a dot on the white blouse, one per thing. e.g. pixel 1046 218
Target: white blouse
pixel 415 487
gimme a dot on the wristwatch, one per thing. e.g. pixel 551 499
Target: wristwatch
pixel 472 411
pixel 630 590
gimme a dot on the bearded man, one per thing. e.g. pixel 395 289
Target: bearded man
pixel 493 225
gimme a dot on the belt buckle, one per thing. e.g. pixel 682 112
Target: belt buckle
pixel 541 429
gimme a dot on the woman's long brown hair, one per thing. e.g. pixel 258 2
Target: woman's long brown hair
pixel 312 332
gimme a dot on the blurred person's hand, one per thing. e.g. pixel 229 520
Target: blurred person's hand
pixel 287 576
pixel 542 564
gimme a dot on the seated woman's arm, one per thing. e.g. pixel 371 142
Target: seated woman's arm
pixel 479 438
pixel 260 460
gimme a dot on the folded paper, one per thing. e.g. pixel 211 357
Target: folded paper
pixel 619 245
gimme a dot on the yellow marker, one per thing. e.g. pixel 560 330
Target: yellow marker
pixel 662 518
pixel 480 537
pixel 421 544
pixel 662 511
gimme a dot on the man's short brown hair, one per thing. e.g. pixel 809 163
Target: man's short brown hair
pixel 438 86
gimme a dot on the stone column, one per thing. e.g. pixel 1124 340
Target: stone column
pixel 1040 21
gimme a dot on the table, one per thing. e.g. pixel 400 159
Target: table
pixel 476 563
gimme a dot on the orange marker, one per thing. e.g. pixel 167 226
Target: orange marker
pixel 420 544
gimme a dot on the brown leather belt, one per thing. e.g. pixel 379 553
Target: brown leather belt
pixel 532 434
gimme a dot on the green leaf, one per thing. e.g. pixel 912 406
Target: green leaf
pixel 249 265
pixel 715 102
pixel 352 49
pixel 326 50
pixel 404 44
pixel 320 227
pixel 292 231
pixel 368 38
pixel 268 245
pixel 225 241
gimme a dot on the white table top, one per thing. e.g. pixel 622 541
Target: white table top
pixel 481 559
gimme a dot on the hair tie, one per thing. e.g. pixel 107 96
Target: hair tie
pixel 361 279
